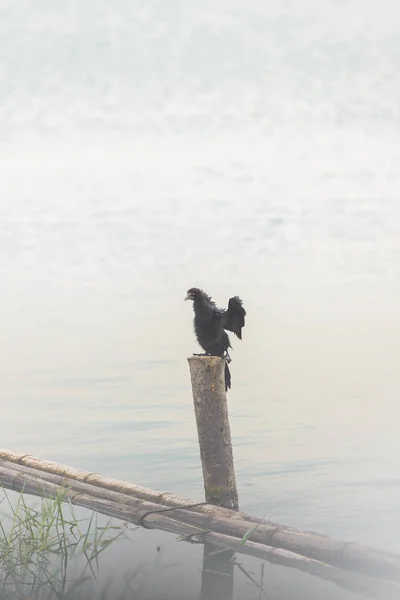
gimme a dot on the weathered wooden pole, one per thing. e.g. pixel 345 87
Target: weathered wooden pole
pixel 211 410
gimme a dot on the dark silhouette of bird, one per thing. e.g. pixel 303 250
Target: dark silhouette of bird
pixel 210 323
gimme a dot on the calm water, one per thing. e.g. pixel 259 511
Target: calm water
pixel 246 148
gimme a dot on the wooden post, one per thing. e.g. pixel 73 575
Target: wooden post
pixel 210 405
pixel 211 410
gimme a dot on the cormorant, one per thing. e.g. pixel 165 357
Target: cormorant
pixel 210 323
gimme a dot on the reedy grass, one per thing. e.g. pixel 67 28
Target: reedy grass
pixel 40 546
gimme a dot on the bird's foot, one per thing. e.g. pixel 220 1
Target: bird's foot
pixel 227 357
pixel 203 354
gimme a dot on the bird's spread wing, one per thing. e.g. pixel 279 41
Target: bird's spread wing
pixel 233 317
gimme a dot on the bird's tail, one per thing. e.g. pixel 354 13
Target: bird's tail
pixel 227 377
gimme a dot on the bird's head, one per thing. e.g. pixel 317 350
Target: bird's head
pixel 194 294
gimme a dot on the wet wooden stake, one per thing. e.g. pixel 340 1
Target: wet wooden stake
pixel 211 410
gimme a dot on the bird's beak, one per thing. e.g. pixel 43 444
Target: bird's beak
pixel 187 298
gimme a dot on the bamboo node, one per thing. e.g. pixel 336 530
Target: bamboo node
pixel 21 458
pixel 89 475
pixel 74 497
pixel 161 497
pixel 270 535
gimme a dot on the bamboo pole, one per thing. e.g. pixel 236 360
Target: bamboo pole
pixel 109 483
pixel 211 410
pixel 134 510
pixel 350 556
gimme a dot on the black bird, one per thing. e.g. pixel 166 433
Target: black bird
pixel 210 323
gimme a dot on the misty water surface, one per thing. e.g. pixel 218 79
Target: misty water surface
pixel 246 148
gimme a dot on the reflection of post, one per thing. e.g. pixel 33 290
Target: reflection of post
pixel 211 409
pixel 217 574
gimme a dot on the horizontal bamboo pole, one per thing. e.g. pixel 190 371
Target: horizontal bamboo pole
pixel 133 510
pixel 346 555
pixel 109 483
